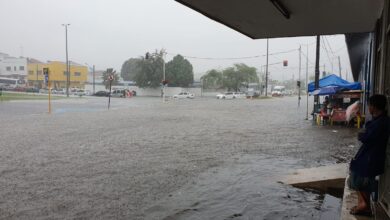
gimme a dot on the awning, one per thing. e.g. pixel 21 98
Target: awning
pixel 285 18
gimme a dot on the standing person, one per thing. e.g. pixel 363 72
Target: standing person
pixel 369 161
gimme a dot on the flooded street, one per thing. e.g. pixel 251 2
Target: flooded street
pixel 144 159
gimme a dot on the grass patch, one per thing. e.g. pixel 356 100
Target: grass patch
pixel 6 96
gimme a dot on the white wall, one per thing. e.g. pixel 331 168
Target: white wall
pixel 14 64
pixel 169 91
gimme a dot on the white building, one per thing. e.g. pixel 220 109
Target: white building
pixel 13 67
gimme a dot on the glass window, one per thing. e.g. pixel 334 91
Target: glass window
pixel 21 68
pixel 39 72
pixel 14 68
pixel 30 72
pixel 77 74
pixel 8 68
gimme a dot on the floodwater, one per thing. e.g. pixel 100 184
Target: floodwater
pixel 144 159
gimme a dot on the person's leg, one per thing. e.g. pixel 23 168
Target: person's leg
pixel 363 207
pixel 363 200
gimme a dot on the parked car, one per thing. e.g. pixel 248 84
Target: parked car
pixel 59 91
pixel 80 92
pixel 32 89
pixel 102 93
pixel 184 95
pixel 45 91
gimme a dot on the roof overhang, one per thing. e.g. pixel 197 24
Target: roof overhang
pixel 290 18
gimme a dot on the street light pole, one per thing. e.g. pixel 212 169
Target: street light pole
pixel 67 61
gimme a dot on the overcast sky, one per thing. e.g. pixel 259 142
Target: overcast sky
pixel 106 33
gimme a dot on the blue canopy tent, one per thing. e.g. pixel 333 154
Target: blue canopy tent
pixel 327 90
pixel 335 81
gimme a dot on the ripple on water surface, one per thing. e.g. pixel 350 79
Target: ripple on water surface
pixel 247 188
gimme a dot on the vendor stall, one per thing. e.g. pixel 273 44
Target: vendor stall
pixel 341 101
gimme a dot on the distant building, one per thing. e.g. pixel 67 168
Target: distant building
pixel 58 75
pixel 13 67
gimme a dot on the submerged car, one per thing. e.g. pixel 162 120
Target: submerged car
pixel 184 95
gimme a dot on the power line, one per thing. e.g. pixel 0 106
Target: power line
pixel 304 54
pixel 234 58
pixel 329 46
pixel 326 50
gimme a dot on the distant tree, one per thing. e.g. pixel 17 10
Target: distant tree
pixel 212 80
pixel 150 72
pixel 106 81
pixel 130 68
pixel 179 72
pixel 238 75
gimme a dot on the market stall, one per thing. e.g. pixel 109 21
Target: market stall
pixel 340 100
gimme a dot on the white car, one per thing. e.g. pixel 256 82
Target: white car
pixel 229 95
pixel 184 95
pixel 80 92
pixel 240 95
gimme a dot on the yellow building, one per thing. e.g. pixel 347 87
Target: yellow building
pixel 57 73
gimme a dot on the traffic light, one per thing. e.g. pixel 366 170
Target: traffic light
pixel 285 62
pixel 299 83
pixel 45 71
pixel 46 75
pixel 147 55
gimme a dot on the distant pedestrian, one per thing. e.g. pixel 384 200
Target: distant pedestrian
pixel 369 161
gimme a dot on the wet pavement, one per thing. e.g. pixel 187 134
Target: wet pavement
pixel 144 159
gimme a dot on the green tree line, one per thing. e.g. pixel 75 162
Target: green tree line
pixel 148 71
pixel 231 78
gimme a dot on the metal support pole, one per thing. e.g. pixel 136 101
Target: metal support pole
pixel 109 96
pixel 339 67
pixel 266 71
pixel 307 81
pixel 299 78
pixel 317 74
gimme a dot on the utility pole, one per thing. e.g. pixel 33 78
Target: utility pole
pixel 299 78
pixel 93 72
pixel 324 73
pixel 307 81
pixel 317 73
pixel 163 58
pixel 37 83
pixel 266 71
pixel 67 61
pixel 339 66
